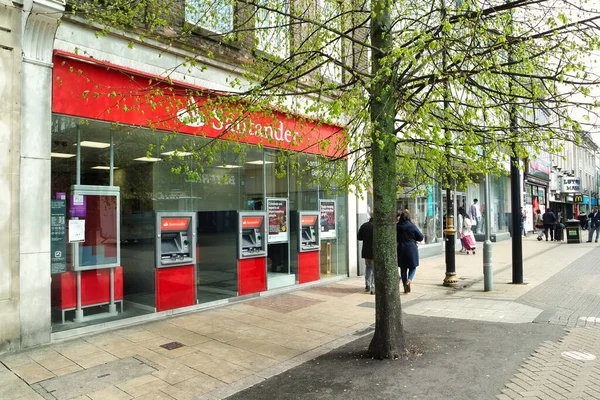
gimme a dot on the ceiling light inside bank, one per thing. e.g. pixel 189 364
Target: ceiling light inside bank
pixel 229 166
pixel 147 159
pixel 259 162
pixel 94 145
pixel 62 155
pixel 177 153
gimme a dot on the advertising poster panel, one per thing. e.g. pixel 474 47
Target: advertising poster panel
pixel 278 220
pixel 328 222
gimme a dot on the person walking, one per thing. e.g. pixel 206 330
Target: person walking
pixel 593 224
pixel 523 219
pixel 560 226
pixel 466 234
pixel 539 224
pixel 583 220
pixel 365 233
pixel 459 227
pixel 407 236
pixel 475 215
pixel 549 219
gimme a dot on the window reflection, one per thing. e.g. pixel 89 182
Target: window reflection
pixel 158 175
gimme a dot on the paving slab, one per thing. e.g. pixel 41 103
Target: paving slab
pixel 96 378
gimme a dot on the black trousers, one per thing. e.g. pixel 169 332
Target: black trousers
pixel 551 229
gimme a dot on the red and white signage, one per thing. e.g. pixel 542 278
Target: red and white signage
pixel 102 91
pixel 308 220
pixel 252 222
pixel 174 224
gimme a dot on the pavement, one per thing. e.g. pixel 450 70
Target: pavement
pixel 539 339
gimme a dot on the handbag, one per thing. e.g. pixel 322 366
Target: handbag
pixel 539 223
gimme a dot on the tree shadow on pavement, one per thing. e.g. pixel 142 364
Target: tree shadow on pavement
pixel 445 358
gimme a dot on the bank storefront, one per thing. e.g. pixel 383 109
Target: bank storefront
pixel 133 234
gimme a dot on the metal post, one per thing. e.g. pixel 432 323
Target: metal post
pixel 112 161
pixel 515 204
pixel 450 232
pixel 488 275
pixel 112 307
pixel 515 186
pixel 78 310
pixel 78 167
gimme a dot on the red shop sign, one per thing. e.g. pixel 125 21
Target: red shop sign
pixel 252 222
pixel 174 224
pixel 308 220
pixel 102 91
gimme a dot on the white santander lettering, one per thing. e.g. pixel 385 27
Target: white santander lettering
pixel 191 116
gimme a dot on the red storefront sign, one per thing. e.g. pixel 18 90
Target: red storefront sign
pixel 88 88
pixel 174 224
pixel 308 220
pixel 252 222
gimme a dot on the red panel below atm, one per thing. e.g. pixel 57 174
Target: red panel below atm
pixel 175 287
pixel 95 287
pixel 308 267
pixel 252 275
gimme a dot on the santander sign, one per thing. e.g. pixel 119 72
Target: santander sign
pixel 193 117
pixel 175 224
pixel 160 105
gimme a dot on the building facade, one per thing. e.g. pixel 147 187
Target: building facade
pixel 100 229
pixel 574 184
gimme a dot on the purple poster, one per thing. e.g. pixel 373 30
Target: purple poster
pixel 77 206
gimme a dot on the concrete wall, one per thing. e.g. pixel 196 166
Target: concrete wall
pixel 27 30
pixel 10 120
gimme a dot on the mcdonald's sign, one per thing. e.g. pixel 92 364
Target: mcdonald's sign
pixel 578 198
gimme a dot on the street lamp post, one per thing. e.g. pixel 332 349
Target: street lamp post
pixel 450 234
pixel 488 275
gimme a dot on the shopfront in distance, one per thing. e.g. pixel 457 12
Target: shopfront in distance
pixel 130 236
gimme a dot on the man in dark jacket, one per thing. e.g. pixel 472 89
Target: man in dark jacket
pixel 365 233
pixel 549 219
pixel 593 224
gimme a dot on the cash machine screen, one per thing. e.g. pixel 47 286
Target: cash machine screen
pixel 175 248
pixel 308 236
pixel 251 240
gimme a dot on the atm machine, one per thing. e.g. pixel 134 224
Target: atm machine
pixel 309 243
pixel 175 260
pixel 252 252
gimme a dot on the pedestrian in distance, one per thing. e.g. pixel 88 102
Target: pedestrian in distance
pixel 466 234
pixel 365 233
pixel 583 220
pixel 523 219
pixel 407 235
pixel 539 224
pixel 549 219
pixel 560 226
pixel 593 224
pixel 475 215
pixel 459 227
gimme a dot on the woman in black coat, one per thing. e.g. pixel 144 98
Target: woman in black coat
pixel 408 254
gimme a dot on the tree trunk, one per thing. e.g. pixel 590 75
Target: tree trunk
pixel 388 340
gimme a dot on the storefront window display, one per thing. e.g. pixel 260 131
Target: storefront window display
pixel 424 210
pixel 145 173
pixel 499 203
